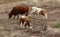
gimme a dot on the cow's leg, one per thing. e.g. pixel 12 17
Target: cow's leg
pixel 33 11
pixel 24 24
pixel 14 17
pixel 45 27
pixel 18 16
pixel 35 14
pixel 29 25
pixel 45 15
pixel 21 24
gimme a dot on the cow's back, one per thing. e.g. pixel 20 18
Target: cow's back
pixel 20 9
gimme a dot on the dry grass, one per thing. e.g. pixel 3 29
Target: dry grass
pixel 9 1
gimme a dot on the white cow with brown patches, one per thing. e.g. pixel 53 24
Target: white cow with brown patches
pixel 36 10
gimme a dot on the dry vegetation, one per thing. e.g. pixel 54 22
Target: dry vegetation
pixel 10 28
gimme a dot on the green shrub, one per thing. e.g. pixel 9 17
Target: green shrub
pixel 56 25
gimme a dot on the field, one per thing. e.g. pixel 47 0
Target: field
pixel 10 28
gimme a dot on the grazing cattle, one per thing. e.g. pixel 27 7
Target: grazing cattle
pixel 24 20
pixel 36 10
pixel 20 9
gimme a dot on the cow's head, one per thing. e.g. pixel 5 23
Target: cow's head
pixel 43 13
pixel 10 15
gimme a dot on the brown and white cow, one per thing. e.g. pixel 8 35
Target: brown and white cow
pixel 24 20
pixel 20 9
pixel 36 10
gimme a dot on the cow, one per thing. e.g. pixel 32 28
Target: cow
pixel 24 20
pixel 36 10
pixel 19 9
